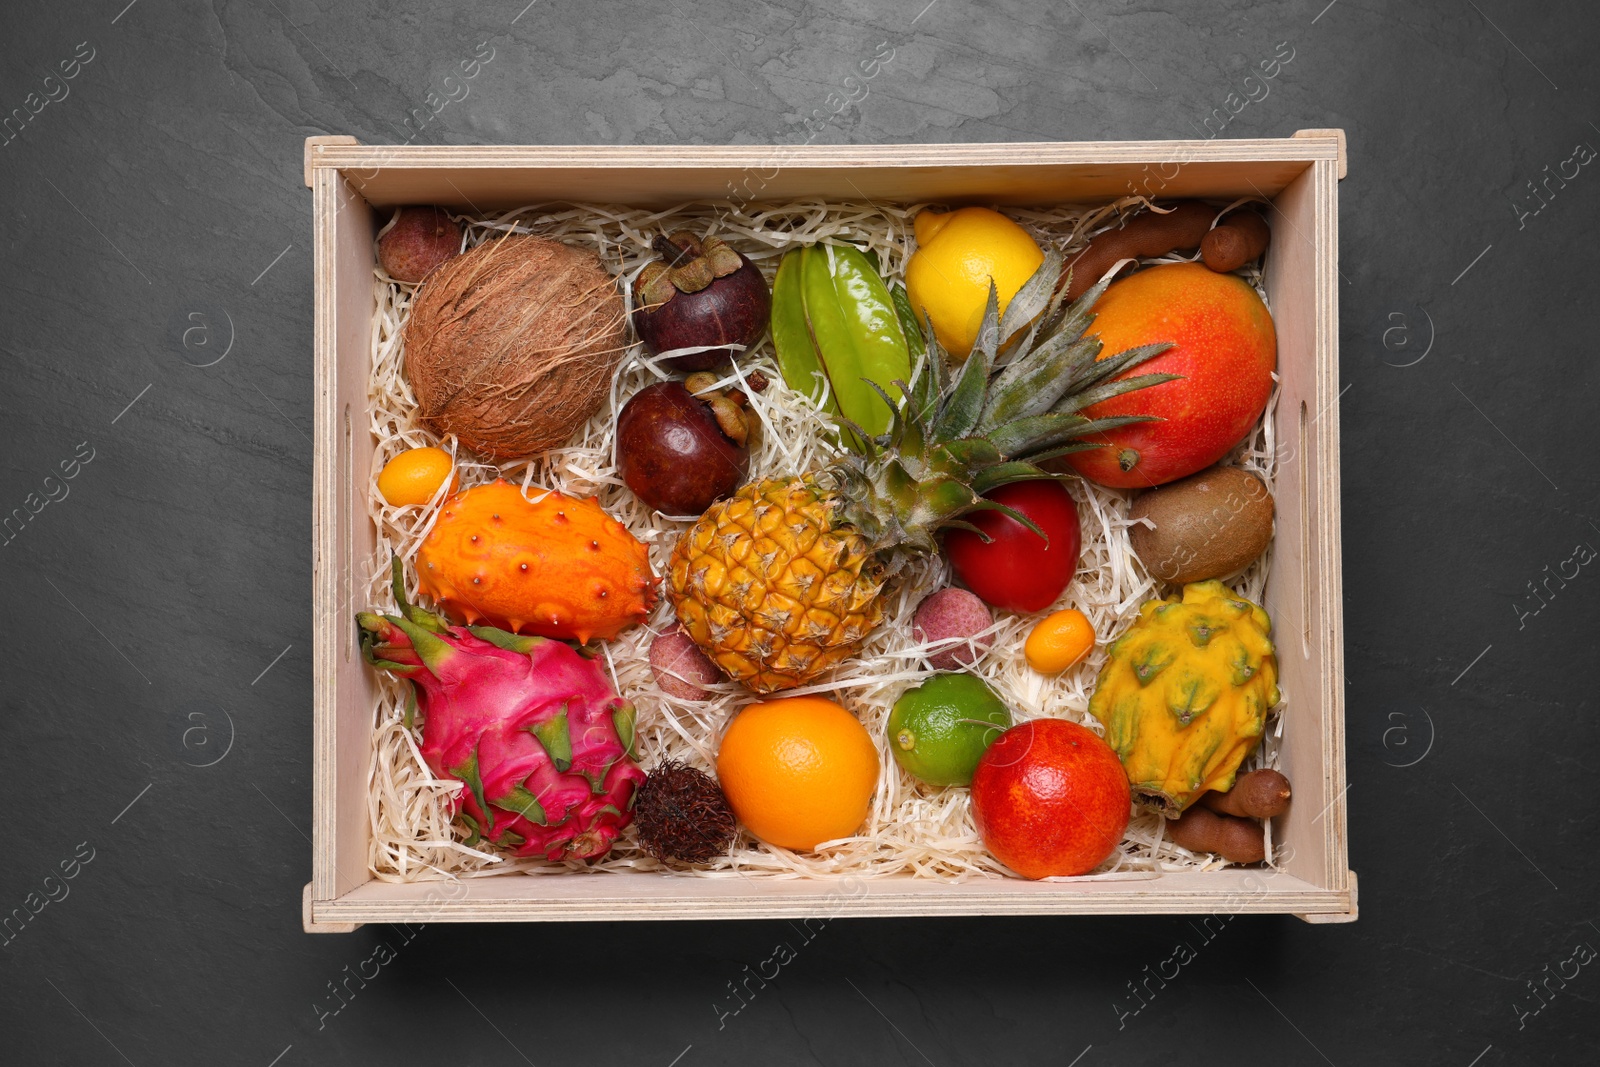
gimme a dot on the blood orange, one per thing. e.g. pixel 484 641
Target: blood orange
pixel 1050 798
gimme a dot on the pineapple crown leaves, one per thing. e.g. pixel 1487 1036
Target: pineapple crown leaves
pixel 1016 401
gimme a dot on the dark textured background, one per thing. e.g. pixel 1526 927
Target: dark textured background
pixel 157 213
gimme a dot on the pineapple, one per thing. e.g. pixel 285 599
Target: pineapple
pixel 780 583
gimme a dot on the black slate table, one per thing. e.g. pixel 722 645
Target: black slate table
pixel 156 337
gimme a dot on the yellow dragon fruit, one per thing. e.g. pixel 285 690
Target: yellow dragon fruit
pixel 1186 692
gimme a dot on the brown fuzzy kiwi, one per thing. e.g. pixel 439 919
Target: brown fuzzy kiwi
pixel 512 346
pixel 1208 525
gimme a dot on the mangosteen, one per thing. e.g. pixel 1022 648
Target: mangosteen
pixel 701 292
pixel 683 445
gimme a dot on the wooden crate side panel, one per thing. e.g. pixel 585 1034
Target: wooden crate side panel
pixel 654 896
pixel 343 535
pixel 1329 576
pixel 1301 285
pixel 343 153
pixel 325 537
pixel 1290 283
pixel 490 177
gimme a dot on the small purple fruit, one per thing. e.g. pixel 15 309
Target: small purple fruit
pixel 683 445
pixel 949 619
pixel 699 293
pixel 420 239
pixel 680 668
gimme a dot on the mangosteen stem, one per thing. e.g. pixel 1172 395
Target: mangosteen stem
pixel 669 251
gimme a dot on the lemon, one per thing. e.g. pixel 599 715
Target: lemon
pixel 414 476
pixel 939 730
pixel 958 252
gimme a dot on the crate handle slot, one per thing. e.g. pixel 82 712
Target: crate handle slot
pixel 1305 537
pixel 346 513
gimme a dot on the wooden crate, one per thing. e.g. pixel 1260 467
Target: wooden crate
pixel 351 184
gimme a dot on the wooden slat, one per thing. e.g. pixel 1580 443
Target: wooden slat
pixel 1291 598
pixel 342 534
pixel 657 896
pixel 484 178
pixel 1329 576
pixel 1304 594
pixel 325 536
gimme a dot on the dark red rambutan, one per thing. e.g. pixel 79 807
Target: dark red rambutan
pixel 681 814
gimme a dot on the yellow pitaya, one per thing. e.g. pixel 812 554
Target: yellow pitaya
pixel 1185 693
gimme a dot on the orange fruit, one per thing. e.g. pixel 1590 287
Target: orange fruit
pixel 1059 640
pixel 798 771
pixel 414 476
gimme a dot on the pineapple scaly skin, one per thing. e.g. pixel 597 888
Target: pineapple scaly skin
pixel 772 588
pixel 781 582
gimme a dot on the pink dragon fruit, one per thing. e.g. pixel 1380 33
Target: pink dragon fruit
pixel 541 740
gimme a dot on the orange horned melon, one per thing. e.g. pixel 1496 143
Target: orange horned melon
pixel 556 566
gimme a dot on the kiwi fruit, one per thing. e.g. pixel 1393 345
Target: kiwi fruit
pixel 1208 525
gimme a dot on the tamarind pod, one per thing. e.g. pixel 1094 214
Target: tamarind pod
pixel 1237 240
pixel 1203 830
pixel 1152 233
pixel 1260 794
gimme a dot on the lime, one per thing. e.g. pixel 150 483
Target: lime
pixel 939 730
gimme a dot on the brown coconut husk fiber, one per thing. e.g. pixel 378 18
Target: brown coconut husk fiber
pixel 512 346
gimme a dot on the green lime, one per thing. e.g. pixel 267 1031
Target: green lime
pixel 939 730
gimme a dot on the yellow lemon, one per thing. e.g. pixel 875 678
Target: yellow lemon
pixel 958 252
pixel 414 476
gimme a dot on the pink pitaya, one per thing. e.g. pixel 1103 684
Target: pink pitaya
pixel 542 741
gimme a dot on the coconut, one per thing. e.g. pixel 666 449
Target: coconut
pixel 512 346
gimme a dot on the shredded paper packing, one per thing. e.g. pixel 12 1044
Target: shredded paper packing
pixel 911 829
